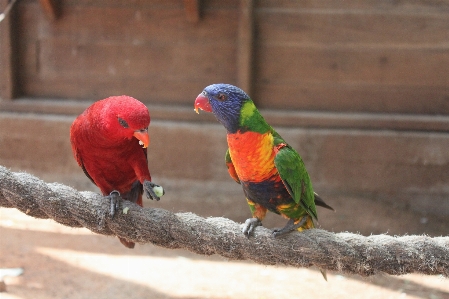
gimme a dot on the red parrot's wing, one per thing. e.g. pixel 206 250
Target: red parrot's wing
pixel 74 132
pixel 80 161
pixel 85 171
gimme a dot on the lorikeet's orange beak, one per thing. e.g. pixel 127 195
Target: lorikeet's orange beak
pixel 144 138
pixel 202 102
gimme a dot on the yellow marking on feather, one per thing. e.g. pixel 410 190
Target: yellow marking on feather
pixel 308 225
pixel 247 110
pixel 284 207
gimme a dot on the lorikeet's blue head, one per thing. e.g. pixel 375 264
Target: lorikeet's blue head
pixel 225 101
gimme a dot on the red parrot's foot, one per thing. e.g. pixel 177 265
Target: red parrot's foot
pixel 290 226
pixel 250 225
pixel 152 190
pixel 115 199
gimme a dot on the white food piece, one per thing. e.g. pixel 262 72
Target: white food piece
pixel 158 190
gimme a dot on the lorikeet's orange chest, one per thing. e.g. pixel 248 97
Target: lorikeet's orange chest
pixel 252 155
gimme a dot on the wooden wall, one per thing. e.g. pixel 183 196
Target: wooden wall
pixel 147 49
pixel 369 56
pixel 359 88
pixel 350 56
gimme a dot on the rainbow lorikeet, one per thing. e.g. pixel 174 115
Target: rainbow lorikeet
pixel 272 173
pixel 109 141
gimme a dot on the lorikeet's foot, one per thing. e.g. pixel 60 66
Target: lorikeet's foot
pixel 290 226
pixel 152 190
pixel 115 199
pixel 250 225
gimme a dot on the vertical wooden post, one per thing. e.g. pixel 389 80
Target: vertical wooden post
pixel 192 9
pixel 245 46
pixel 50 9
pixel 7 76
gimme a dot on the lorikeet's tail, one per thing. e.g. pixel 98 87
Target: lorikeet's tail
pixel 320 202
pixel 307 225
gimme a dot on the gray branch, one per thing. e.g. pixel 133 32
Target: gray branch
pixel 342 252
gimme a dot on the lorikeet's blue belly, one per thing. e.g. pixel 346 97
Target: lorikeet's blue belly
pixel 270 194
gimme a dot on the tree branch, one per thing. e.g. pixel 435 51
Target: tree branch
pixel 342 252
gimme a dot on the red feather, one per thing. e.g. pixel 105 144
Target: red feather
pixel 104 145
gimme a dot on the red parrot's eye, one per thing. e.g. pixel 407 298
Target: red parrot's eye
pixel 123 123
pixel 221 97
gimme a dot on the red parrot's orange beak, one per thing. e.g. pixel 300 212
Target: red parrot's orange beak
pixel 202 102
pixel 144 138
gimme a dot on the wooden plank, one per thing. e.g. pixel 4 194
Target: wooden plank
pixel 84 24
pixel 153 5
pixel 65 59
pixel 50 9
pixel 154 89
pixel 381 6
pixel 7 70
pixel 361 160
pixel 353 29
pixel 408 66
pixel 245 46
pixel 357 121
pixel 353 98
pixel 192 10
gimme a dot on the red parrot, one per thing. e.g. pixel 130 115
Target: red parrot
pixel 109 141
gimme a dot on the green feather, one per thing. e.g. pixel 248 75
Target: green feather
pixel 228 157
pixel 293 173
pixel 251 119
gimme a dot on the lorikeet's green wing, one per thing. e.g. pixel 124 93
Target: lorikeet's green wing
pixel 295 177
pixel 231 168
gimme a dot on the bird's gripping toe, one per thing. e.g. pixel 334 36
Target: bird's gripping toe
pixel 114 198
pixel 290 226
pixel 152 190
pixel 250 225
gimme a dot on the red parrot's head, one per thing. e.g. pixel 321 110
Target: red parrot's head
pixel 122 117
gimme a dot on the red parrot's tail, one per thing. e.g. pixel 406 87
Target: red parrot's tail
pixel 128 244
pixel 134 195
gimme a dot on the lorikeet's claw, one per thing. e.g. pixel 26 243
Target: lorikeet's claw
pixel 290 226
pixel 152 190
pixel 250 225
pixel 115 199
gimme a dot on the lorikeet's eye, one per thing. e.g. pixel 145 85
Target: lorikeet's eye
pixel 221 97
pixel 123 123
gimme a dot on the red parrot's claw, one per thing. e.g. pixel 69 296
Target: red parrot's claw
pixel 115 199
pixel 250 225
pixel 152 190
